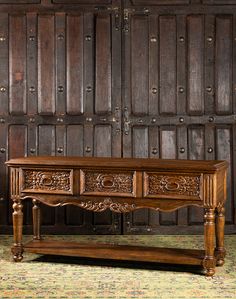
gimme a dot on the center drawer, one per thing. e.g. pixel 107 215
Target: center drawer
pixel 105 183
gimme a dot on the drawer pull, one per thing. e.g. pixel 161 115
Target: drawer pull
pixel 107 181
pixel 172 186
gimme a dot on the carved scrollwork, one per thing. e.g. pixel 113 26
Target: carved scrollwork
pixel 107 203
pixel 167 184
pixel 107 182
pixel 47 180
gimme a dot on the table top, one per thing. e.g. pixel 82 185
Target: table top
pixel 124 163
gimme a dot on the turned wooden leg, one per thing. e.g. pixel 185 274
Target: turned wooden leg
pixel 36 220
pixel 17 215
pixel 220 251
pixel 209 237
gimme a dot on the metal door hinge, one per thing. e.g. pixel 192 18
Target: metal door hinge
pixel 126 20
pixel 116 119
pixel 117 18
pixel 126 121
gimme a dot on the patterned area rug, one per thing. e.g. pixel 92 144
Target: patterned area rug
pixel 57 277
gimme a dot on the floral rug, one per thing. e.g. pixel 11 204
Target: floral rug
pixel 56 277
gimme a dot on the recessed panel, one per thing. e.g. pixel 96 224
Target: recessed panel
pixel 169 186
pixel 47 181
pixel 107 183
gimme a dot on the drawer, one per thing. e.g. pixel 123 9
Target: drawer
pixel 105 183
pixel 173 186
pixel 47 181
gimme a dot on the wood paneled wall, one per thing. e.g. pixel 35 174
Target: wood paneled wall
pixel 118 78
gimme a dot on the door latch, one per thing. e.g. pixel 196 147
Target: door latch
pixel 126 121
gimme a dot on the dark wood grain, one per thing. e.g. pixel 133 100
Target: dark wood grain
pixel 32 76
pixel 19 148
pixel 139 65
pixel 75 65
pixel 103 65
pixel 102 133
pixel 223 65
pixel 17 64
pixel 60 63
pixel 168 103
pixel 4 101
pixel 46 70
pixel 195 65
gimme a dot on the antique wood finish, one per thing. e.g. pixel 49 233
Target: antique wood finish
pixel 184 107
pixel 121 185
pixel 153 78
pixel 53 103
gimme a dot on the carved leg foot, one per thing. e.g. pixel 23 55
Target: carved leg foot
pixel 17 252
pixel 209 266
pixel 209 261
pixel 220 251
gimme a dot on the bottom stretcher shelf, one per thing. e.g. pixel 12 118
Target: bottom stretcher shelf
pixel 117 252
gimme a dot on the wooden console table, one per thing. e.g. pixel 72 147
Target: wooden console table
pixel 121 185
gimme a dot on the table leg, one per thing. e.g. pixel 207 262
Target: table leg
pixel 209 237
pixel 36 219
pixel 220 224
pixel 17 216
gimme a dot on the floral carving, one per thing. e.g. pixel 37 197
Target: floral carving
pixel 47 180
pixel 107 203
pixel 182 185
pixel 108 182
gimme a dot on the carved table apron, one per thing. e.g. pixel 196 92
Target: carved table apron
pixel 121 185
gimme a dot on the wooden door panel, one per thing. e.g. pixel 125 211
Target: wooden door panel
pixel 17 141
pixel 167 27
pixel 139 65
pixel 4 65
pixel 75 64
pixel 187 62
pixel 17 64
pixel 103 99
pixel 46 69
pixel 103 141
pixel 63 96
pixel 195 93
pixel 223 65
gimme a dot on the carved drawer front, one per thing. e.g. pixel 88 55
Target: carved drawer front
pixel 173 186
pixel 47 181
pixel 105 183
